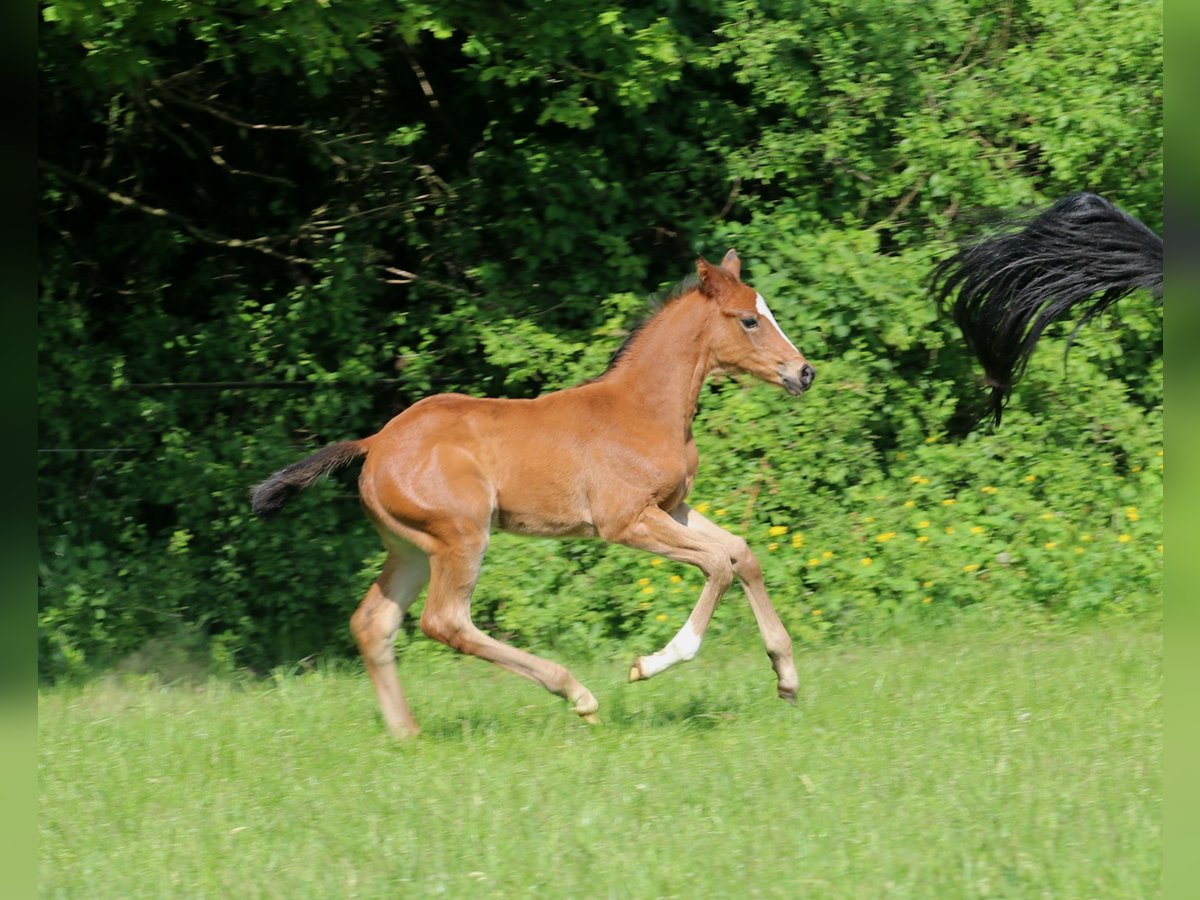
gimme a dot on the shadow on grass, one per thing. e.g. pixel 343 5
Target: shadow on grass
pixel 670 711
pixel 698 712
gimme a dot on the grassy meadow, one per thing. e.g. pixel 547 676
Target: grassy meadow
pixel 972 761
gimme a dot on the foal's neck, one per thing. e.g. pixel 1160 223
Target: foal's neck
pixel 665 366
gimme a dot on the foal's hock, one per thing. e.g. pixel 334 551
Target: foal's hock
pixel 612 458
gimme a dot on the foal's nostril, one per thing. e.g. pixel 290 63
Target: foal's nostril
pixel 807 375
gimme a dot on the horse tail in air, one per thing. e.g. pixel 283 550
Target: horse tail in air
pixel 272 495
pixel 1007 288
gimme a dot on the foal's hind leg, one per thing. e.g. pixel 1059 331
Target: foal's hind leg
pixel 375 624
pixel 447 618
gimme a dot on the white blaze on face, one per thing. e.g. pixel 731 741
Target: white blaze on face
pixel 763 310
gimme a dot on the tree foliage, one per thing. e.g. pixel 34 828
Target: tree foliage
pixel 353 204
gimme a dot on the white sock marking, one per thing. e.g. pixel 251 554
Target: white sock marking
pixel 763 310
pixel 684 646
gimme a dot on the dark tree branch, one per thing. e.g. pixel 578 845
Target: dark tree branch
pixel 258 245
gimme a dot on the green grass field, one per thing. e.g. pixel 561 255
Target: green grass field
pixel 967 763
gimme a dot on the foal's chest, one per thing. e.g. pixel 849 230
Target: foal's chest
pixel 678 484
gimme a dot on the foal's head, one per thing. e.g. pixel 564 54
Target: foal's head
pixel 746 337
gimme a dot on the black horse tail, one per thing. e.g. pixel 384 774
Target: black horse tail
pixel 272 495
pixel 1010 286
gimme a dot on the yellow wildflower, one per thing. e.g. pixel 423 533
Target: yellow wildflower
pixel 970 567
pixel 702 507
pixel 816 612
pixel 656 562
pixel 661 617
pixel 866 561
pixel 676 579
pixel 1046 516
pixel 949 501
pixel 1050 545
pixel 720 512
pixel 814 562
pixel 643 581
pixel 647 590
pixel 949 529
pixel 926 584
pixel 989 489
pixel 926 599
pixel 1078 551
pixel 909 504
pixel 932 439
pixel 797 540
pixel 1131 514
pixel 976 529
pixel 777 530
pixel 885 537
pixel 1125 539
pixel 922 538
pixel 772 547
pixel 924 523
pixel 1029 479
pixel 828 554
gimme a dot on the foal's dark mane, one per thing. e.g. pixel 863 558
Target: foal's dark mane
pixel 658 303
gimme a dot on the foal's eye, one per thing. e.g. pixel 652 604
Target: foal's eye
pixel 749 322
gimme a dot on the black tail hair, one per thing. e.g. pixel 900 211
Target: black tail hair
pixel 272 495
pixel 1010 286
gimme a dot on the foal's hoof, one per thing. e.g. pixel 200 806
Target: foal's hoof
pixel 635 671
pixel 586 707
pixel 788 694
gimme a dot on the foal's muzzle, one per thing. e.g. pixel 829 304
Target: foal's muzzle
pixel 798 381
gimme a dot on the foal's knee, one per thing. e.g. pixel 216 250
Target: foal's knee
pixel 719 569
pixel 448 630
pixel 742 559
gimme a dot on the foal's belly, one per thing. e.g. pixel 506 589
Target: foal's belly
pixel 541 524
pixel 541 500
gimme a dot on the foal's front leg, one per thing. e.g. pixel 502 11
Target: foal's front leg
pixel 657 532
pixel 745 565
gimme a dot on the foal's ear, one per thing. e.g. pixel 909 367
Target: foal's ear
pixel 713 278
pixel 732 264
pixel 708 276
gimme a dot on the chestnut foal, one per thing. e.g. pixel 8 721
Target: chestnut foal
pixel 612 458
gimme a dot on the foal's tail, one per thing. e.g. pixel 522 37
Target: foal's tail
pixel 272 495
pixel 1011 286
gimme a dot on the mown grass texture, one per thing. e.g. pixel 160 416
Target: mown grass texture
pixel 969 762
